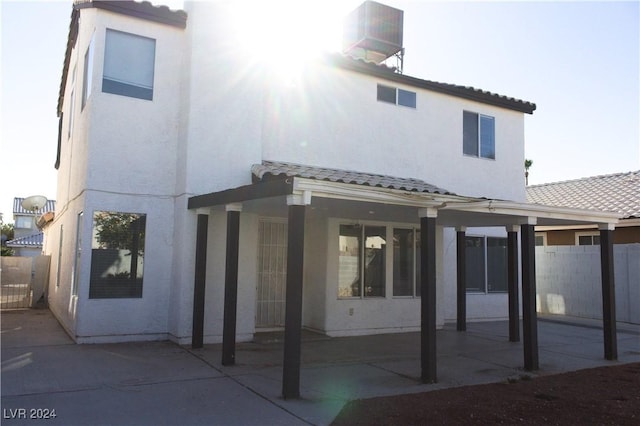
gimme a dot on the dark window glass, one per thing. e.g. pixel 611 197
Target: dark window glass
pixel 496 265
pixel 349 261
pixel 374 260
pixel 88 73
pixel 403 262
pixel 470 133
pixel 117 255
pixel 386 94
pixel 474 256
pixel 539 240
pixel 406 98
pixel 588 240
pixel 418 275
pixel 487 137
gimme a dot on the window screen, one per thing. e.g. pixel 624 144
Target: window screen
pixel 487 137
pixel 128 65
pixel 406 98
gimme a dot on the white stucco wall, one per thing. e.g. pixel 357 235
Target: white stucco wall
pixel 388 314
pixel 331 118
pixel 223 104
pixel 120 157
pixel 215 112
pixel 480 306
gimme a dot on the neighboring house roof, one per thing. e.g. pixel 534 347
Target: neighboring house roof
pixel 619 192
pixel 277 170
pixel 50 206
pixel 34 240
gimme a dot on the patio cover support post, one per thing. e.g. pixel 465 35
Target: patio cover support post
pixel 512 282
pixel 529 316
pixel 608 293
pixel 428 292
pixel 231 285
pixel 197 331
pixel 461 295
pixel 293 307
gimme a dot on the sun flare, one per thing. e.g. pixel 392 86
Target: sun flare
pixel 286 33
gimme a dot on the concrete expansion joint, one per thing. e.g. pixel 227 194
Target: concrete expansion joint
pixel 239 383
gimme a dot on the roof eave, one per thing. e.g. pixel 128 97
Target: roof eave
pixel 447 89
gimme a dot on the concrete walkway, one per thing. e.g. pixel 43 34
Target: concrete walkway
pixel 160 383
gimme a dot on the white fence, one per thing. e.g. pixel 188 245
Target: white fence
pixel 569 282
pixel 22 280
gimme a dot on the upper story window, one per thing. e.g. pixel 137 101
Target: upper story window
pixel 72 107
pixel 24 222
pixel 396 96
pixel 129 62
pixel 88 73
pixel 479 139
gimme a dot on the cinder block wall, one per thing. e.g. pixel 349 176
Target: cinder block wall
pixel 568 281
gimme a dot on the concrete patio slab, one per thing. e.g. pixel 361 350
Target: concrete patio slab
pixel 143 383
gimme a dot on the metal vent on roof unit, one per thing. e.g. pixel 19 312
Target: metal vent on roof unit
pixel 373 32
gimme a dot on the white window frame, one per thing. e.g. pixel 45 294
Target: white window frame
pixel 78 256
pixel 87 81
pixel 60 246
pixel 416 266
pixel 478 141
pixel 486 266
pixel 121 73
pixel 361 261
pixel 72 102
pixel 396 101
pixel 592 234
pixel 543 235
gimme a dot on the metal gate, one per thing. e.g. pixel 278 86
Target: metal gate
pixel 272 273
pixel 15 291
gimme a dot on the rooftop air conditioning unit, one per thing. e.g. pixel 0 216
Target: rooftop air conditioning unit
pixel 373 32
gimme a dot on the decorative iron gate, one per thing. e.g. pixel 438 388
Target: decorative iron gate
pixel 272 273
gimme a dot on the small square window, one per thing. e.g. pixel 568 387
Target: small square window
pixel 386 94
pixel 406 98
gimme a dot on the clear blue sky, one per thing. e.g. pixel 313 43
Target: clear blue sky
pixel 578 61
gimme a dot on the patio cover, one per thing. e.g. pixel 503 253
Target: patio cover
pixel 291 188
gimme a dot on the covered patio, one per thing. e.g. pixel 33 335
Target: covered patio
pixel 291 192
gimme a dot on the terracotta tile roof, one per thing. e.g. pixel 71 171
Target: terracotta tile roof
pixel 34 240
pixel 618 192
pixel 278 170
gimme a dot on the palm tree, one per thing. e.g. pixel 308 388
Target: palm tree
pixel 527 165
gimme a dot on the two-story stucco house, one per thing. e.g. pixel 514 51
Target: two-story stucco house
pixel 200 199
